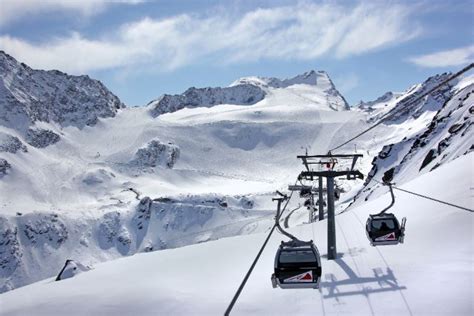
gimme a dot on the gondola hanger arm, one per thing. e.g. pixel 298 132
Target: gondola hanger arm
pixel 393 198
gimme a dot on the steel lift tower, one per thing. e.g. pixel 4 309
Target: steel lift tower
pixel 327 164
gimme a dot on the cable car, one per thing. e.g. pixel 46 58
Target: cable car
pixel 383 228
pixel 297 265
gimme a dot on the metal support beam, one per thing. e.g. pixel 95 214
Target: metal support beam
pixel 332 251
pixel 350 174
pixel 321 199
pixel 327 156
pixel 297 187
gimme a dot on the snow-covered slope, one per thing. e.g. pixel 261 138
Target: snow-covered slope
pixel 431 140
pixel 430 274
pixel 203 172
pixel 34 245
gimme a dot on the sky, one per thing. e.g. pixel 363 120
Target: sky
pixel 142 49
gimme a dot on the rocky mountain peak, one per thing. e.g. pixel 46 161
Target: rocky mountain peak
pixel 28 96
pixel 311 77
pixel 247 91
pixel 386 97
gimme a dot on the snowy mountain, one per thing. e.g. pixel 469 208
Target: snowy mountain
pixel 380 102
pixel 91 180
pixel 35 104
pixel 439 131
pixel 250 90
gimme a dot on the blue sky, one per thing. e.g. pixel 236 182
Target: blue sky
pixel 142 49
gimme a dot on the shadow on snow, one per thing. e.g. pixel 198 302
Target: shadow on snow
pixel 380 282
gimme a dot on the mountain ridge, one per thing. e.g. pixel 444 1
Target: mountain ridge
pixel 28 96
pixel 247 91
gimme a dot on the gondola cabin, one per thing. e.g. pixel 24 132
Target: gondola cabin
pixel 305 192
pixel 297 265
pixel 384 229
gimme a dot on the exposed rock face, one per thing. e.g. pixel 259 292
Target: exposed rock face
pixel 11 144
pixel 28 96
pixel 449 134
pixel 10 253
pixel 41 138
pixel 46 230
pixel 113 233
pixel 156 154
pixel 243 94
pixel 4 167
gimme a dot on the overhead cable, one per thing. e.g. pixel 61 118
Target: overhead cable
pixel 244 281
pixel 390 114
pixel 430 198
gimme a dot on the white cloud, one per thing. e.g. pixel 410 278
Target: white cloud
pixel 446 58
pixel 15 9
pixel 372 30
pixel 304 31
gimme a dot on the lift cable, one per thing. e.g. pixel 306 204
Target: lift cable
pixel 244 281
pixel 390 114
pixel 429 198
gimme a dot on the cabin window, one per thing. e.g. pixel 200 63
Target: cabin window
pixel 297 256
pixel 383 224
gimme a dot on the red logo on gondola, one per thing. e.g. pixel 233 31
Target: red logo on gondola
pixel 390 236
pixel 307 276
pixel 303 277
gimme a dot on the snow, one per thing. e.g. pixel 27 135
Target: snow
pixel 430 274
pixel 129 182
